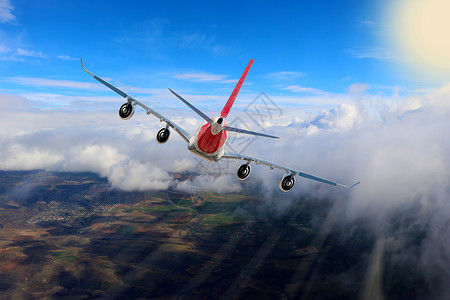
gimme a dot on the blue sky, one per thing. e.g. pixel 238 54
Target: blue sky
pixel 301 48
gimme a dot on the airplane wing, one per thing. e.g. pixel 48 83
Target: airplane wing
pixel 198 111
pixel 183 133
pixel 248 132
pixel 234 155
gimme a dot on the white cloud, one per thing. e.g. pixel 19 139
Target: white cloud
pixel 11 58
pixel 4 49
pixel 342 117
pixel 30 53
pixel 372 52
pixel 224 183
pixel 285 75
pixel 23 158
pixel 97 158
pixel 66 57
pixel 139 176
pixel 235 81
pixel 357 89
pixel 43 82
pixel 200 77
pixel 302 89
pixel 18 54
pixel 6 14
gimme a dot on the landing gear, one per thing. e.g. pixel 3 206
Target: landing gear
pixel 287 182
pixel 243 171
pixel 163 135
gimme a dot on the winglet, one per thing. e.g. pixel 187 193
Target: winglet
pixel 354 185
pixel 348 186
pixel 104 82
pixel 82 65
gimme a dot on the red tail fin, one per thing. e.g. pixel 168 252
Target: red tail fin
pixel 229 104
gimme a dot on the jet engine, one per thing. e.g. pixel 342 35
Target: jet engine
pixel 163 135
pixel 126 111
pixel 287 182
pixel 243 171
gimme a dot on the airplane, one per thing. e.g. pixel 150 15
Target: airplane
pixel 210 139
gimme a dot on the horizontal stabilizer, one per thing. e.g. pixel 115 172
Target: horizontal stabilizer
pixel 248 132
pixel 200 113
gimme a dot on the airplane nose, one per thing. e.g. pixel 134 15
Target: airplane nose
pixel 219 121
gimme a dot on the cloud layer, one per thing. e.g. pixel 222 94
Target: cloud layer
pixel 393 145
pixel 378 133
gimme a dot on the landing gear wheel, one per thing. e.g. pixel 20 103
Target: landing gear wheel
pixel 287 183
pixel 243 171
pixel 163 135
pixel 126 111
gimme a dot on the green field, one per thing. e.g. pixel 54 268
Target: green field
pixel 218 219
pixel 67 256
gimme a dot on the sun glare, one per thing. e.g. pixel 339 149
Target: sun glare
pixel 422 34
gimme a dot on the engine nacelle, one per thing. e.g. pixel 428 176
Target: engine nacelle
pixel 163 135
pixel 126 111
pixel 287 182
pixel 243 171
